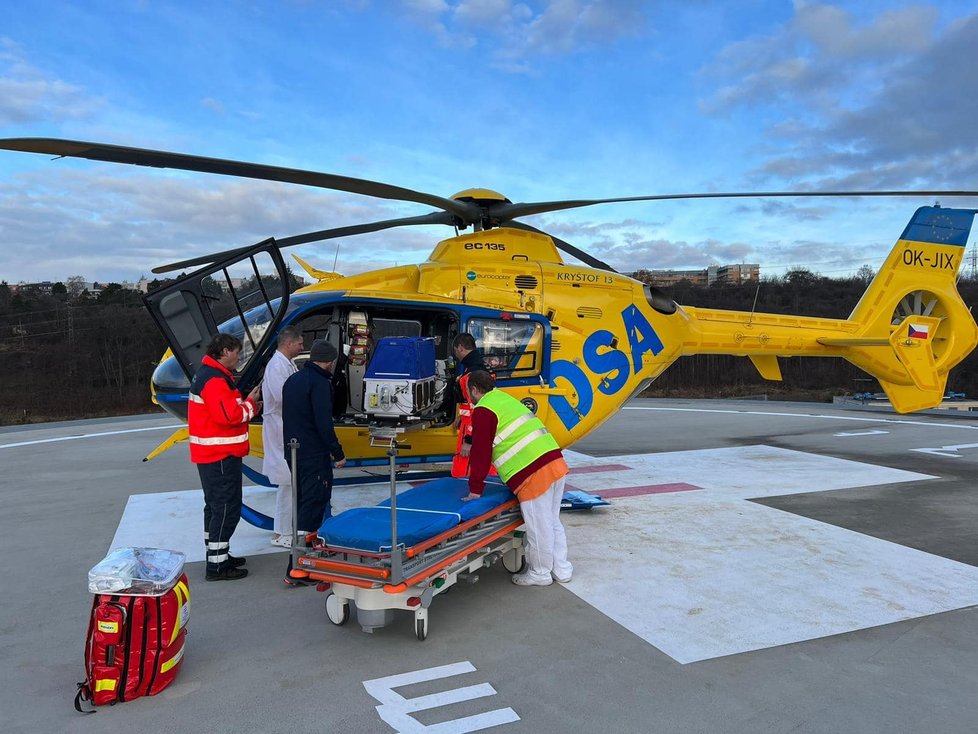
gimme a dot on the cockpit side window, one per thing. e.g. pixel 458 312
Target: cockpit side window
pixel 511 348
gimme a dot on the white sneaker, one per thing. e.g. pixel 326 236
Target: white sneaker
pixel 560 580
pixel 523 579
pixel 282 541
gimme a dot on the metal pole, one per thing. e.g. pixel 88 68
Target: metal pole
pixel 395 553
pixel 294 446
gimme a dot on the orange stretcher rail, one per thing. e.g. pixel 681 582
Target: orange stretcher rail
pixel 459 529
pixel 404 585
pixel 345 567
pixel 332 578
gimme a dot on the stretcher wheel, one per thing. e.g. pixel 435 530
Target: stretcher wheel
pixel 337 611
pixel 514 560
pixel 421 628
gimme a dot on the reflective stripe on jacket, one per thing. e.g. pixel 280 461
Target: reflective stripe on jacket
pixel 217 415
pixel 521 438
pixel 465 406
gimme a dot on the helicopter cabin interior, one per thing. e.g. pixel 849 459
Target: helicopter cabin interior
pixel 365 332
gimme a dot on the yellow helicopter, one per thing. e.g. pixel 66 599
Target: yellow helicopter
pixel 573 342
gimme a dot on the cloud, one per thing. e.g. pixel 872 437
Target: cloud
pixel 517 34
pixel 627 246
pixel 29 96
pixel 663 254
pixel 566 25
pixel 888 103
pixel 818 54
pixel 213 105
pixel 116 227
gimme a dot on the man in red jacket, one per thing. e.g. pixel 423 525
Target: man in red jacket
pixel 217 421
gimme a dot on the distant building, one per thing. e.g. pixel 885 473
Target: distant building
pixel 45 287
pixel 734 274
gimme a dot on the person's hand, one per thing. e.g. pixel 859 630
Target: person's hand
pixel 255 393
pixel 340 464
pixel 458 422
pixel 258 405
pixel 465 450
pixel 470 496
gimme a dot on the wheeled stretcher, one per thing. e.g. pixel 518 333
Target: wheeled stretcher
pixel 410 548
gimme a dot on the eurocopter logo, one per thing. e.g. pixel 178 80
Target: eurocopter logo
pixel 470 275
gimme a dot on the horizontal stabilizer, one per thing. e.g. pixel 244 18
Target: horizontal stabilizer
pixel 856 341
pixel 315 272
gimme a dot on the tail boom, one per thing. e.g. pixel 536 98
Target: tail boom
pixel 910 328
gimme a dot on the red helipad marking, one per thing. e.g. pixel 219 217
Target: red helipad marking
pixel 637 491
pixel 599 468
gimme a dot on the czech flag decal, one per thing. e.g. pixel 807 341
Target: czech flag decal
pixel 919 331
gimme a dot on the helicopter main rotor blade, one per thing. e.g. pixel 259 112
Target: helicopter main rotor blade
pixel 202 260
pixel 567 247
pixel 355 229
pixel 162 159
pixel 503 211
pixel 317 236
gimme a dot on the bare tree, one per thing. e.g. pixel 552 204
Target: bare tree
pixel 865 274
pixel 75 285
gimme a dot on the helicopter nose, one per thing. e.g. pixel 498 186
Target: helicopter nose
pixel 171 387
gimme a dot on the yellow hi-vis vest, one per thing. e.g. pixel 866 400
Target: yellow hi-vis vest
pixel 521 437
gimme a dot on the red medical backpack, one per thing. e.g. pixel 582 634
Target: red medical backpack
pixel 135 645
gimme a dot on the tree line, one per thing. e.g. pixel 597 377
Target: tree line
pixel 70 354
pixel 64 356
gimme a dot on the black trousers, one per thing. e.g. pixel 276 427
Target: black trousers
pixel 221 482
pixel 314 491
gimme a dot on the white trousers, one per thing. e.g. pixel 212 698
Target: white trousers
pixel 546 544
pixel 283 510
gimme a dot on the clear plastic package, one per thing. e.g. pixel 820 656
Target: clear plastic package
pixel 136 572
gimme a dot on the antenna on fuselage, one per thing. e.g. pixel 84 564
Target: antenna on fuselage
pixel 750 319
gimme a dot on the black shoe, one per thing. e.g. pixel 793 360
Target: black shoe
pixel 294 582
pixel 227 573
pixel 235 562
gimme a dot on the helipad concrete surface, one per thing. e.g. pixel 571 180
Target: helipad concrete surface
pixel 763 567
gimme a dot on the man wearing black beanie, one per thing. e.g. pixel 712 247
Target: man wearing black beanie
pixel 307 415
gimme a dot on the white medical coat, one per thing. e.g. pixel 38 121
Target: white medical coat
pixel 278 370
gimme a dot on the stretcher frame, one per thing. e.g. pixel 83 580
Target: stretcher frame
pixel 407 578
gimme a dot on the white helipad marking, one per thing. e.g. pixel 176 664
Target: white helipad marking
pixel 704 574
pixel 698 574
pixel 949 451
pixel 86 435
pixel 396 710
pixel 815 416
pixel 175 520
pixel 861 433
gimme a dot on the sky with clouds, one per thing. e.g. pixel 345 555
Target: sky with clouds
pixel 538 99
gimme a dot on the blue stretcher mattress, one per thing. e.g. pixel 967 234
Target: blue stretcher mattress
pixel 422 513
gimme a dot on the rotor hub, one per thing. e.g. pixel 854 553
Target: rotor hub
pixel 486 200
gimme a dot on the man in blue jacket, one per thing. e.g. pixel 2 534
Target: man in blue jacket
pixel 307 415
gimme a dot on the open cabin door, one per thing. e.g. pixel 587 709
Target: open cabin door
pixel 246 295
